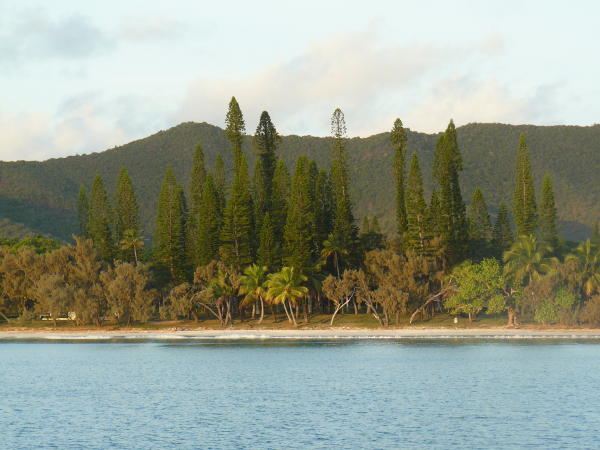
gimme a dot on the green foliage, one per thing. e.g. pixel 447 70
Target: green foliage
pixel 237 232
pixel 527 260
pixel 83 211
pixel 197 178
pixel 127 211
pixel 477 287
pixel 398 140
pixel 99 220
pixel 502 233
pixel 416 208
pixel 552 309
pixel 480 227
pixel 548 214
pixel 170 235
pixel 235 128
pixel 269 251
pixel 524 205
pixel 265 143
pixel 209 223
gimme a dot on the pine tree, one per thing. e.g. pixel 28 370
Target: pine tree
pixel 502 233
pixel 268 253
pixel 127 212
pixel 344 229
pixel 548 214
pixel 524 205
pixel 480 226
pixel 170 235
pixel 416 209
pixel 260 194
pixel 234 129
pixel 209 224
pixel 197 178
pixel 220 182
pixel 324 207
pixel 452 221
pixel 398 139
pixel 300 223
pixel 99 220
pixel 237 233
pixel 265 143
pixel 434 213
pixel 83 207
pixel 281 193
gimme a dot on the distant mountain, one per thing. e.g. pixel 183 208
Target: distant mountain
pixel 40 197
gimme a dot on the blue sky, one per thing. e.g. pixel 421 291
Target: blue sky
pixel 78 77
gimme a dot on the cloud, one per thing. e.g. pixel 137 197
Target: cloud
pixel 35 35
pixel 150 29
pixel 466 100
pixel 366 78
pixel 82 124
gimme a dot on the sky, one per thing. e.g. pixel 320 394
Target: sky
pixel 79 77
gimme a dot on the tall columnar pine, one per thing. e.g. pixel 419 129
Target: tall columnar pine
pixel 398 139
pixel 83 207
pixel 170 234
pixel 416 209
pixel 220 182
pixel 127 212
pixel 370 236
pixel 434 213
pixel 480 226
pixel 237 234
pixel 300 223
pixel 324 207
pixel 502 236
pixel 548 216
pixel 269 251
pixel 234 129
pixel 279 200
pixel 197 177
pixel 344 229
pixel 265 143
pixel 99 220
pixel 524 205
pixel 209 224
pixel 452 217
pixel 313 174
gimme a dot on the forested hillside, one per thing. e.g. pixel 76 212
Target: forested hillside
pixel 40 197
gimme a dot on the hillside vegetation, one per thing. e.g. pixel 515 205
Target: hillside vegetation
pixel 40 197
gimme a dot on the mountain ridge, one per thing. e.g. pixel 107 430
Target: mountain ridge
pixel 40 196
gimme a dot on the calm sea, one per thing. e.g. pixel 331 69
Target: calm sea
pixel 296 394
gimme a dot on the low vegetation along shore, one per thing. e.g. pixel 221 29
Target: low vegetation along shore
pixel 283 249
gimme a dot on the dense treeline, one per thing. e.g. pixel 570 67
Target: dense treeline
pixel 237 241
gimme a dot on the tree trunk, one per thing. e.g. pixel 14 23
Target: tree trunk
pixel 286 311
pixel 337 309
pixel 292 314
pixel 262 310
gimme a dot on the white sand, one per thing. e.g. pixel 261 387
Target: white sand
pixel 328 333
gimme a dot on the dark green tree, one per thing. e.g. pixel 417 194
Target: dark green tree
pixel 398 139
pixel 416 209
pixel 279 200
pixel 324 207
pixel 83 211
pixel 237 233
pixel 344 229
pixel 209 224
pixel 452 220
pixel 524 205
pixel 197 177
pixel 548 215
pixel 99 220
pixel 127 212
pixel 234 129
pixel 502 233
pixel 480 226
pixel 170 234
pixel 265 143
pixel 300 224
pixel 269 252
pixel 220 182
pixel 434 213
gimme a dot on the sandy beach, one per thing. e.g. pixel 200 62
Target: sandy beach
pixel 324 333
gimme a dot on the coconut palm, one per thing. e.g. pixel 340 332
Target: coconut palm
pixel 527 259
pixel 132 241
pixel 587 258
pixel 253 287
pixel 285 288
pixel 333 249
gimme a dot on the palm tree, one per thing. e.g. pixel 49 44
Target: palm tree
pixel 526 260
pixel 333 249
pixel 587 258
pixel 286 287
pixel 132 241
pixel 253 286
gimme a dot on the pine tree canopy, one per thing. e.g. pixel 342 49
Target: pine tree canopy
pixel 100 219
pixel 524 205
pixel 398 139
pixel 548 216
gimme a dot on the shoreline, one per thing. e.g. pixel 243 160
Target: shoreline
pixel 18 333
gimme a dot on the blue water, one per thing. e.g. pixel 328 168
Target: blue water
pixel 296 394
